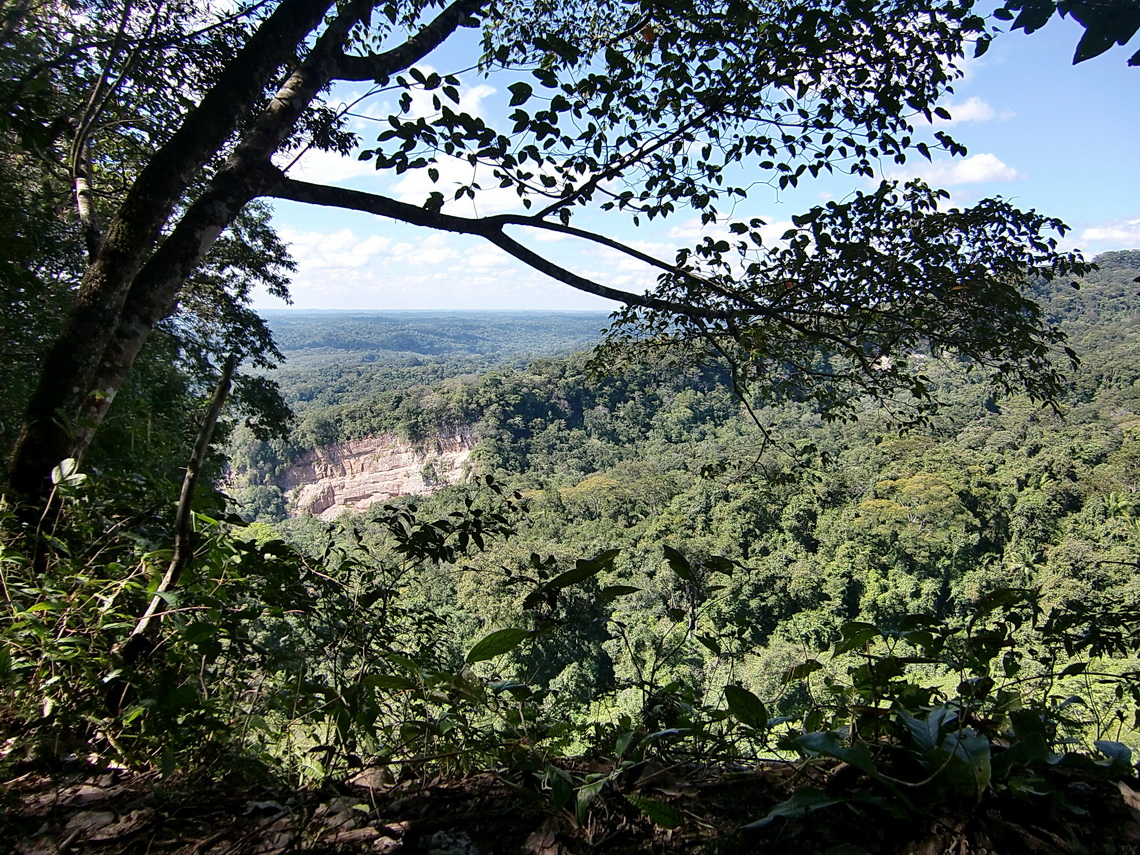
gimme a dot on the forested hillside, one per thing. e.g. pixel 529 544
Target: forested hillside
pixel 793 526
pixel 833 539
pixel 338 357
pixel 642 558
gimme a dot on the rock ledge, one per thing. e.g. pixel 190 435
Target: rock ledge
pixel 352 475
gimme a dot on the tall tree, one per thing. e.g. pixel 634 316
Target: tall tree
pixel 644 108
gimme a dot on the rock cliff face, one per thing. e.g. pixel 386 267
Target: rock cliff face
pixel 353 475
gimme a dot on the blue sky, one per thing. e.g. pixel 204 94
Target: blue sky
pixel 1058 138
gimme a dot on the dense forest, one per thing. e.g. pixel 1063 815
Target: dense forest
pixel 826 543
pixel 733 544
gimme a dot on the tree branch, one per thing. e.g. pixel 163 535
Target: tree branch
pixel 491 229
pixel 183 518
pixel 380 65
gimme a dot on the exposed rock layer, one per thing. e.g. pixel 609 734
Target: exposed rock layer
pixel 353 475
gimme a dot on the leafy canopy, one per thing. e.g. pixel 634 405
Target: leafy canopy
pixel 640 110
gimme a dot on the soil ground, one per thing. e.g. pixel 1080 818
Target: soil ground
pixel 488 814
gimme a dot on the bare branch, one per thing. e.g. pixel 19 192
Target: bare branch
pixel 85 199
pixel 378 66
pixel 491 229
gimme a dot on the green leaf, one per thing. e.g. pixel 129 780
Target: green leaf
pixel 496 644
pixel 803 801
pixel 972 749
pixel 920 734
pixel 798 672
pixel 390 681
pixel 804 219
pixel 1034 15
pixel 711 643
pixel 199 631
pixel 1073 669
pixel 561 786
pixel 1002 597
pixel 520 93
pixel 66 473
pixel 720 564
pixel 1027 723
pixel 1118 753
pixel 661 813
pixel 611 593
pixel 746 707
pixel 679 564
pixel 586 794
pixel 855 634
pixel 829 744
pixel 1025 752
pixel 584 569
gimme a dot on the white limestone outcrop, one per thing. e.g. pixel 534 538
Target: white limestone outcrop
pixel 352 475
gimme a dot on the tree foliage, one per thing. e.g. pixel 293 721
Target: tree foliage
pixel 1107 23
pixel 641 109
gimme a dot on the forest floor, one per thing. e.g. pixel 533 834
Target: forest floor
pixel 488 814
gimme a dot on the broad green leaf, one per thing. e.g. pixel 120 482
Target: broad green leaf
pixel 520 93
pixel 66 473
pixel 584 569
pixel 622 743
pixel 746 707
pixel 829 744
pixel 1034 15
pixel 561 786
pixel 1026 723
pixel 996 599
pixel 798 672
pixel 661 813
pixel 855 634
pixel 919 732
pixel 496 644
pixel 720 564
pixel 973 750
pixel 803 801
pixel 710 643
pixel 199 631
pixel 1118 753
pixel 586 794
pixel 1092 43
pixel 390 681
pixel 679 564
pixel 611 593
pixel 1025 752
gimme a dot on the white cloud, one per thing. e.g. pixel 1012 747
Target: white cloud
pixel 471 99
pixel 319 251
pixel 1121 234
pixel 544 236
pixel 415 187
pixel 976 169
pixel 418 270
pixel 692 231
pixel 326 167
pixel 973 110
pixel 434 249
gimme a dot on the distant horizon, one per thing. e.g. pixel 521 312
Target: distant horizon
pixel 288 310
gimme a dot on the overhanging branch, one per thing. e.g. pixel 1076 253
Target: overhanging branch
pixel 491 229
pixel 380 65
